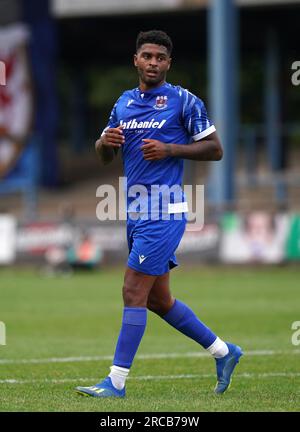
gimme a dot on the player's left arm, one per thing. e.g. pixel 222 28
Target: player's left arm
pixel 206 149
pixel 206 145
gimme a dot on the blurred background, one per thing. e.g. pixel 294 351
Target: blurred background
pixel 66 63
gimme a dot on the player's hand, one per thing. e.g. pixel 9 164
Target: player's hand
pixel 155 150
pixel 113 137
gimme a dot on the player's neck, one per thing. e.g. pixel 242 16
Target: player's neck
pixel 144 87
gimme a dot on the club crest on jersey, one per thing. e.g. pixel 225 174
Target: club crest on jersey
pixel 161 102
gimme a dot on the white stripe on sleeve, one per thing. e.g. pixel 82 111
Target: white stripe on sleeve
pixel 204 133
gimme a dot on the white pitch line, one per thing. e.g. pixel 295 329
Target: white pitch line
pixel 151 378
pixel 139 357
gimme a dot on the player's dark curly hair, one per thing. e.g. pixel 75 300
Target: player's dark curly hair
pixel 157 37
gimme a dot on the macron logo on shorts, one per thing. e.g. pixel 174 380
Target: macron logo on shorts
pixel 142 258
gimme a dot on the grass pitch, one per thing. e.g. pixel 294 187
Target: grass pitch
pixel 61 332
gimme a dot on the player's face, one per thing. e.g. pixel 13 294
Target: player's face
pixel 152 62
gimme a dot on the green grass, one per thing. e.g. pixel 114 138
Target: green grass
pixel 80 316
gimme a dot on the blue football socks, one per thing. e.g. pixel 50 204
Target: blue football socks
pixel 181 317
pixel 132 330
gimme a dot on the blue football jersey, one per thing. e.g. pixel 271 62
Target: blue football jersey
pixel 167 113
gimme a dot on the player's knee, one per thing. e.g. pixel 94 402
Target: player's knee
pixel 160 306
pixel 154 307
pixel 133 296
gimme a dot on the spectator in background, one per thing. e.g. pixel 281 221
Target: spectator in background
pixel 258 237
pixel 16 100
pixel 263 240
pixel 84 253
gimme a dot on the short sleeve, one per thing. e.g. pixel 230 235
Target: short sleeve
pixel 195 118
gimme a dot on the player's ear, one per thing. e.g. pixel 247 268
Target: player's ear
pixel 135 60
pixel 170 61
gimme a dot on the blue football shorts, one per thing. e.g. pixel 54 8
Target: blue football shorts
pixel 152 244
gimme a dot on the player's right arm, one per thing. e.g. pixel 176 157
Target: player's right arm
pixel 108 144
pixel 111 139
